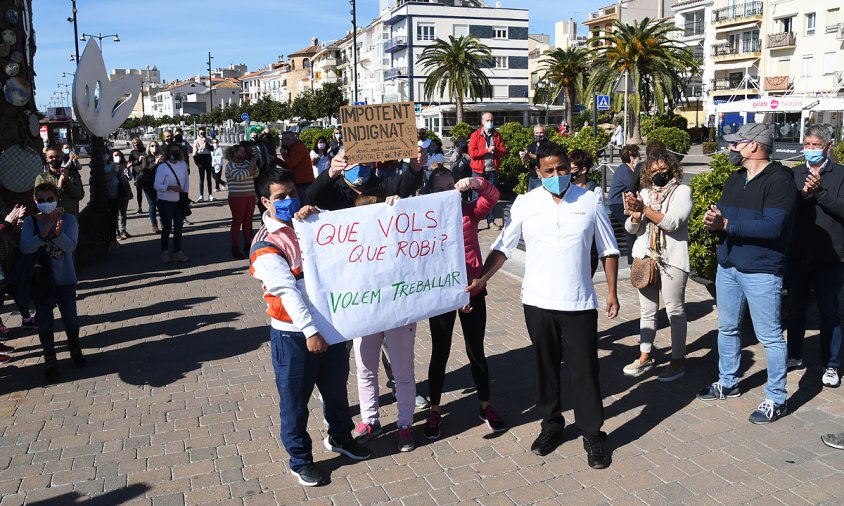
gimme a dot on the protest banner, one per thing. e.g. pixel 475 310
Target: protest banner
pixel 378 267
pixel 379 132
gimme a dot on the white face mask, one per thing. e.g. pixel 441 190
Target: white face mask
pixel 321 145
pixel 46 207
pixel 116 159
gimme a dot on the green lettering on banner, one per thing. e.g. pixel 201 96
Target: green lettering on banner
pixel 345 300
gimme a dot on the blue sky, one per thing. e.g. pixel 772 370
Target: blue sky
pixel 176 35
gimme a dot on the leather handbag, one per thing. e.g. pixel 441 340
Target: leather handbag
pixel 643 272
pixel 184 200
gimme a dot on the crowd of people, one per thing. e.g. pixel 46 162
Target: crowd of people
pixel 776 228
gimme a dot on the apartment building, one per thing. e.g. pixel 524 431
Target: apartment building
pixel 693 18
pixel 172 100
pixel 600 22
pixel 537 45
pixel 565 35
pixel 324 65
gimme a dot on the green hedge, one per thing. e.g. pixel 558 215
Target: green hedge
pixel 309 137
pixel 709 147
pixel 650 123
pixel 706 190
pixel 674 139
pixel 461 129
pixel 839 151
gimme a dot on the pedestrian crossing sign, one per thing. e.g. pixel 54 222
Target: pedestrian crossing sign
pixel 603 102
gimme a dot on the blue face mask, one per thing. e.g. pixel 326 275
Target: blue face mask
pixel 285 209
pixel 557 184
pixel 814 156
pixel 358 175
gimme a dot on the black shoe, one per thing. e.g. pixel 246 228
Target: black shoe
pixel 308 475
pixel 546 443
pixel 237 253
pixel 78 358
pixel 51 370
pixel 349 448
pixel 596 456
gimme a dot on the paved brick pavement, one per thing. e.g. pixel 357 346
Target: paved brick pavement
pixel 178 406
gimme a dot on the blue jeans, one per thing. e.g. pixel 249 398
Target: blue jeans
pixel 65 298
pixel 172 218
pixel 826 279
pixel 297 371
pixel 762 292
pixel 152 204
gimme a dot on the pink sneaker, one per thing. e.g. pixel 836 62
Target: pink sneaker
pixel 366 431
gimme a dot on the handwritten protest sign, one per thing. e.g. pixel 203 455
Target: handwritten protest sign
pixel 378 267
pixel 378 132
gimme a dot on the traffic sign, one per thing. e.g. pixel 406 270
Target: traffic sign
pixel 603 102
pixel 359 103
pixel 244 116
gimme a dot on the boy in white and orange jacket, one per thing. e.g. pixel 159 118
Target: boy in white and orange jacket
pixel 301 357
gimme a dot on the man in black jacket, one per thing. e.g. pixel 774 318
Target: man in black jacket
pixel 817 255
pixel 753 221
pixel 339 186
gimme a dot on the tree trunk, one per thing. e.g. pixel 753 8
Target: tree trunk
pixel 635 136
pixel 569 105
pixel 458 102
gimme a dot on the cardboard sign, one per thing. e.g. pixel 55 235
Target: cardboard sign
pixel 377 267
pixel 379 132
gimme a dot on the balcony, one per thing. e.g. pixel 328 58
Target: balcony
pixel 777 83
pixel 739 13
pixel 746 49
pixel 395 44
pixel 605 15
pixel 727 86
pixel 396 72
pixel 782 40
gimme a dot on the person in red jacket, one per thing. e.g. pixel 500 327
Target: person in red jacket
pixel 486 149
pixel 295 157
pixel 472 316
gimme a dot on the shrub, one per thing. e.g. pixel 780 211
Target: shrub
pixel 675 139
pixel 461 129
pixel 709 147
pixel 309 137
pixel 838 149
pixel 706 190
pixel 515 138
pixel 669 119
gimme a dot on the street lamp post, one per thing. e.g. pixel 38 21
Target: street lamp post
pixel 72 19
pixel 210 85
pixel 100 38
pixel 354 50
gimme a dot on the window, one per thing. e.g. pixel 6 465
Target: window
pixel 808 62
pixel 500 62
pixel 500 91
pixel 783 65
pixel 811 18
pixel 534 78
pixel 832 19
pixel 786 24
pixel 829 66
pixel 426 31
pixel 499 32
pixel 461 30
pixel 693 24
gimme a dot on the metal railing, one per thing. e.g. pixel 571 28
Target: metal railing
pixel 727 49
pixel 400 40
pixel 693 29
pixel 777 83
pixel 737 11
pixel 395 72
pixel 721 84
pixel 784 39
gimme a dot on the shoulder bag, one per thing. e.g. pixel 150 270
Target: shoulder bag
pixel 643 272
pixel 184 201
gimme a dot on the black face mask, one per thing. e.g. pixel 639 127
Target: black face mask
pixel 539 138
pixel 661 179
pixel 178 138
pixel 175 156
pixel 56 163
pixel 736 157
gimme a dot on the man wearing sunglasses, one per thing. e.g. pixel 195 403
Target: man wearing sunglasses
pixel 753 221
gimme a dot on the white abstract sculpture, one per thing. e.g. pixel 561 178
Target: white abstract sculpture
pixel 102 105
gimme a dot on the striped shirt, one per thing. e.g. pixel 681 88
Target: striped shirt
pixel 239 180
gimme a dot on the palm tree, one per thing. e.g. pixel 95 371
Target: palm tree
pixel 655 62
pixel 563 71
pixel 456 66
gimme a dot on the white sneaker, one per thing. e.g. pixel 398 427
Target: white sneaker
pixel 794 363
pixel 637 368
pixel 210 198
pixel 830 377
pixel 200 199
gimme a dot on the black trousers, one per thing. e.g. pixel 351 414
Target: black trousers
pixel 474 327
pixel 575 334
pixel 203 161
